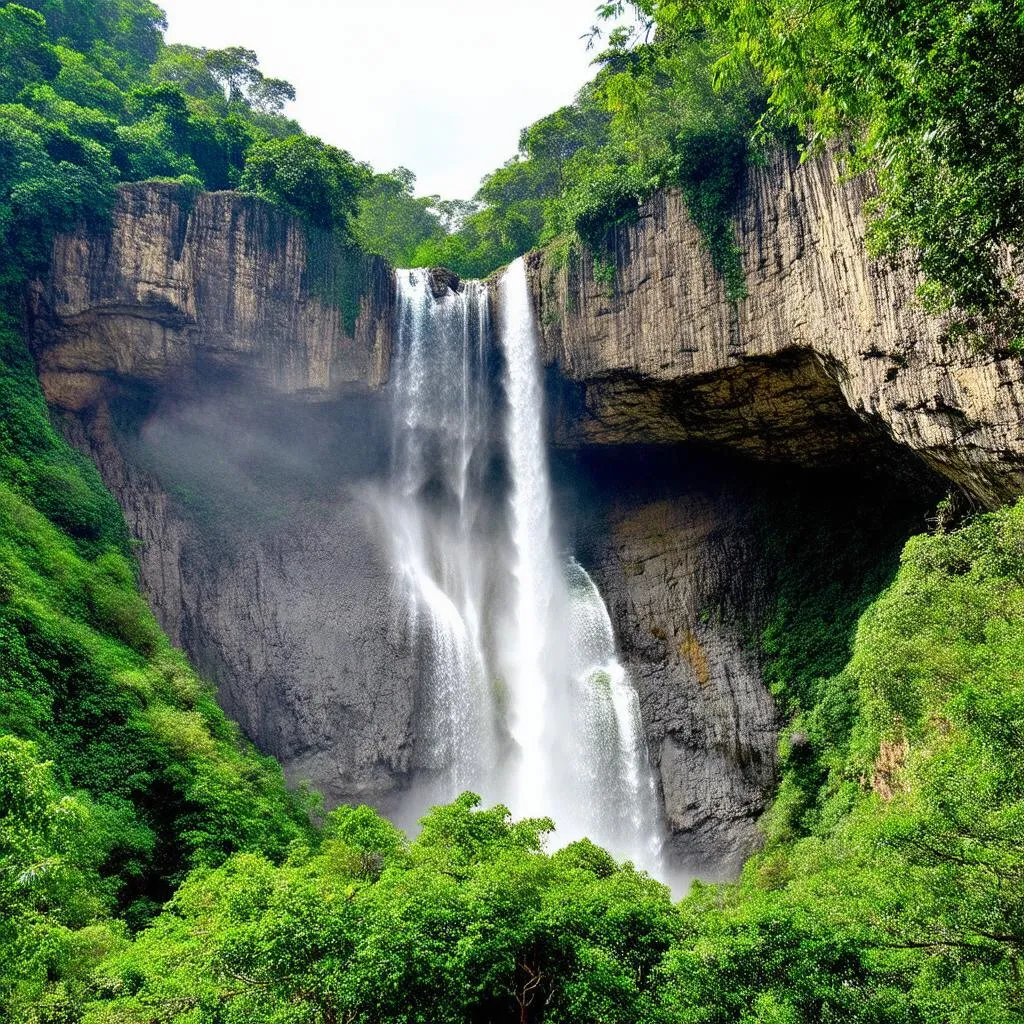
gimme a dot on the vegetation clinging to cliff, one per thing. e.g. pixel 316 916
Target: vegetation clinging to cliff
pixel 118 771
pixel 924 97
pixel 653 117
pixel 91 95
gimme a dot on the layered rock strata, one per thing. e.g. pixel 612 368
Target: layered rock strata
pixel 223 365
pixel 830 355
pixel 186 284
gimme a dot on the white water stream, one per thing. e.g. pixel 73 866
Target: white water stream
pixel 523 697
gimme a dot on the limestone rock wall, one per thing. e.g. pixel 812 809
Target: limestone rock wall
pixel 202 353
pixel 830 355
pixel 185 283
pixel 285 605
pixel 673 547
pixel 692 551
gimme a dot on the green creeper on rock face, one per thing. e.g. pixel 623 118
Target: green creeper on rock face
pixel 924 96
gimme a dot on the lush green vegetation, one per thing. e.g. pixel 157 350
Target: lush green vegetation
pixel 923 96
pixel 154 868
pixel 889 888
pixel 893 895
pixel 927 97
pixel 90 95
pixel 118 771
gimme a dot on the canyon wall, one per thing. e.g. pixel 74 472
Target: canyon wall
pixel 223 365
pixel 225 369
pixel 828 363
pixel 829 357
pixel 184 284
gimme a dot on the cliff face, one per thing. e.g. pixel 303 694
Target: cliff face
pixel 224 367
pixel 218 361
pixel 186 284
pixel 829 356
pixel 672 544
pixel 829 363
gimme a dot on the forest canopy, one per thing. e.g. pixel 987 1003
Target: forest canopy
pixel 90 95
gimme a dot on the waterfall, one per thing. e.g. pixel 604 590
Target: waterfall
pixel 439 426
pixel 523 697
pixel 530 658
pixel 610 750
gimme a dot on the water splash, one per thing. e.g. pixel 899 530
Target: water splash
pixel 611 751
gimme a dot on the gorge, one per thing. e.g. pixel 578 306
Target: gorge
pixel 595 600
pixel 242 415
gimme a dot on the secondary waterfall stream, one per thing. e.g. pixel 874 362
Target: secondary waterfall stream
pixel 523 698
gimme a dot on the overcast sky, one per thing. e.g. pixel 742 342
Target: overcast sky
pixel 440 86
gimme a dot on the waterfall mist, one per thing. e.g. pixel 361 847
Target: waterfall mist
pixel 522 696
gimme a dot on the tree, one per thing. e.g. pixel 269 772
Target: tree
pixel 25 53
pixel 49 886
pixel 131 28
pixel 305 175
pixel 393 221
pixel 928 97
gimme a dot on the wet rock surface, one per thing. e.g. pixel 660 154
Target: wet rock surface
pixel 692 550
pixel 273 575
pixel 442 281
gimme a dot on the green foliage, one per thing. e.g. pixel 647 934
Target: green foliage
pixel 49 178
pixel 823 585
pixel 471 921
pixel 927 95
pixel 144 777
pixel 915 848
pixel 51 906
pixel 25 54
pixel 308 177
pixel 40 469
pixel 394 223
pixel 90 95
pixel 125 32
pixel 651 118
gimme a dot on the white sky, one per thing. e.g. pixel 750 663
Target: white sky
pixel 442 87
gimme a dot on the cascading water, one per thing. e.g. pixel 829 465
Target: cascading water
pixel 440 419
pixel 523 697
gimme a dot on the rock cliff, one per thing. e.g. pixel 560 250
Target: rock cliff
pixel 224 367
pixel 828 357
pixel 185 284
